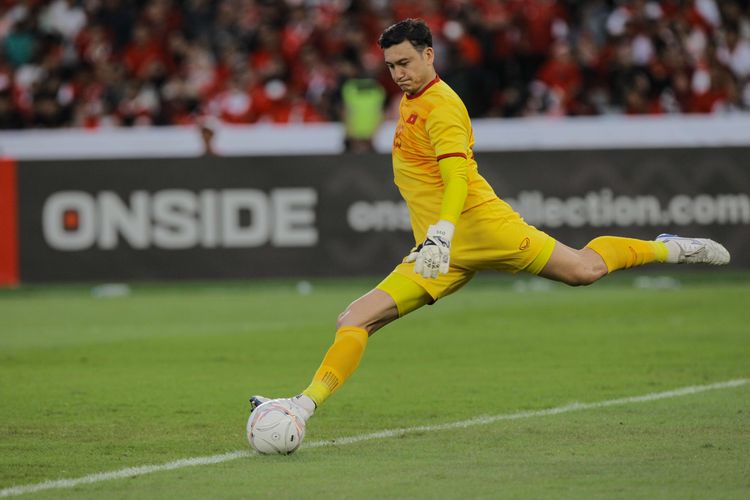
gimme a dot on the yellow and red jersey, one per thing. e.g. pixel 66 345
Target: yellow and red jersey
pixel 433 125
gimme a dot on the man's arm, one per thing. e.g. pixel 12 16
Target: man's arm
pixel 432 257
pixel 450 139
pixel 456 180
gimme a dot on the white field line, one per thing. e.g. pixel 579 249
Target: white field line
pixel 484 420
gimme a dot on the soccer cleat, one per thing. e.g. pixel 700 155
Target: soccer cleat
pixel 302 406
pixel 256 401
pixel 694 250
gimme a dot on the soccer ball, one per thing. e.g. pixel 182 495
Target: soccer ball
pixel 273 429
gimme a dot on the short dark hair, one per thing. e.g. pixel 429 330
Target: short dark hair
pixel 414 30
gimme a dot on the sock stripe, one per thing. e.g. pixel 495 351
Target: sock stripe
pixel 330 380
pixel 338 364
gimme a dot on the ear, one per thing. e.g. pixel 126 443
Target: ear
pixel 429 54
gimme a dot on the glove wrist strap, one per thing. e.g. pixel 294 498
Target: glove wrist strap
pixel 444 229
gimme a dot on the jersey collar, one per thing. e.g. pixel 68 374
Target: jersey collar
pixel 424 89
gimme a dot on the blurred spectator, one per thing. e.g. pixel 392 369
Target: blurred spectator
pixel 97 63
pixel 735 52
pixel 208 134
pixel 63 17
pixel 363 100
pixel 20 44
pixel 10 118
pixel 562 75
pixel 144 56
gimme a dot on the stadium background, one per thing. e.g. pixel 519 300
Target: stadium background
pixel 191 191
pixel 184 101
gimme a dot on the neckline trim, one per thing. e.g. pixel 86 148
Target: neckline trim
pixel 424 89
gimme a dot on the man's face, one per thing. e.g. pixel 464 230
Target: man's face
pixel 410 68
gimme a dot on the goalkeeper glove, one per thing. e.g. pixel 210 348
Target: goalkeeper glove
pixel 433 256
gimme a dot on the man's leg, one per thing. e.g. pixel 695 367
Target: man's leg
pixel 361 319
pixel 400 293
pixel 607 254
pixel 574 267
pixel 394 297
pixel 599 257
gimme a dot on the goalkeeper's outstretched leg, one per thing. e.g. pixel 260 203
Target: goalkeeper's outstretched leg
pixel 606 254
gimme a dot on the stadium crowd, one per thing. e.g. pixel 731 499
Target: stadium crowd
pixel 96 63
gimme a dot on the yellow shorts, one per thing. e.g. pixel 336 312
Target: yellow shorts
pixel 490 236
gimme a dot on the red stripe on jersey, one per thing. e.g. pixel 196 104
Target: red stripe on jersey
pixel 448 155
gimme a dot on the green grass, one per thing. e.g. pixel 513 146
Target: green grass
pixel 90 385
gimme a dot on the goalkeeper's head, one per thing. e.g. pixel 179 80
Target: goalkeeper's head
pixel 407 49
pixel 414 30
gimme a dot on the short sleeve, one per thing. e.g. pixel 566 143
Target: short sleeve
pixel 448 132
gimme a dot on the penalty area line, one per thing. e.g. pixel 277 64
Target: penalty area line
pixel 483 420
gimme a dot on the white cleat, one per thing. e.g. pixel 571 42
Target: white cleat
pixel 694 250
pixel 302 406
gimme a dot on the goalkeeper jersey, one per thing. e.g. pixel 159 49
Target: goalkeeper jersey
pixel 433 124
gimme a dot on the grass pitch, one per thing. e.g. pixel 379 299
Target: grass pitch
pixel 98 384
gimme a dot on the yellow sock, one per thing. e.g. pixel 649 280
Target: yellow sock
pixel 338 364
pixel 623 253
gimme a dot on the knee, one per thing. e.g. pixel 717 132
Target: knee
pixel 583 277
pixel 341 318
pixel 350 318
pixel 586 274
pixel 369 312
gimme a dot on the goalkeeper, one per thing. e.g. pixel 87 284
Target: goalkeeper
pixel 462 225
